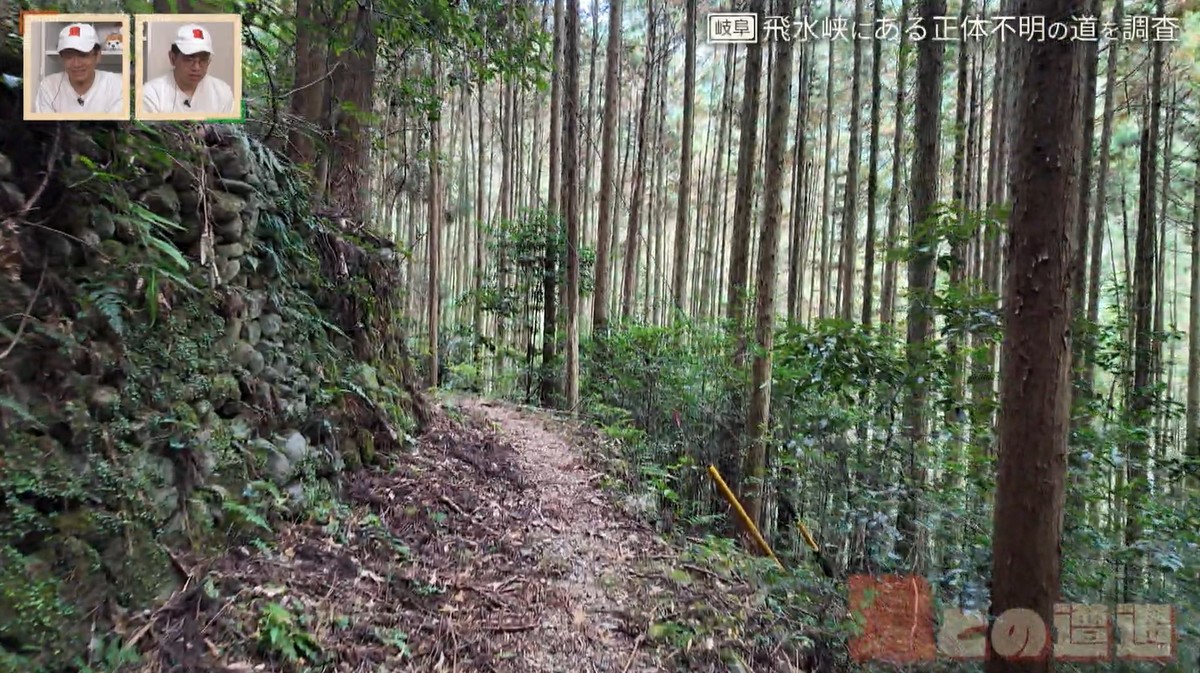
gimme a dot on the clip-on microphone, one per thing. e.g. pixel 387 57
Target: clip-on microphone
pixel 187 103
pixel 79 100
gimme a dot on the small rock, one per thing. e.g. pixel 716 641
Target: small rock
pixel 105 399
pixel 190 231
pixel 236 186
pixel 241 427
pixel 162 200
pixel 278 467
pixel 242 353
pixel 232 162
pixel 228 269
pixel 250 218
pixel 113 250
pixel 189 201
pixel 230 250
pixel 102 221
pixel 295 447
pixel 295 494
pixel 254 300
pixel 252 332
pixel 89 238
pixel 224 206
pixel 164 499
pixel 223 388
pixel 232 230
pixel 271 323
pixel 262 393
pixel 182 179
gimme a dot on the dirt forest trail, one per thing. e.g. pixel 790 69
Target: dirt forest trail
pixel 489 545
pixel 597 547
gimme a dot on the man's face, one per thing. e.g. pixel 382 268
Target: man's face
pixel 79 65
pixel 191 68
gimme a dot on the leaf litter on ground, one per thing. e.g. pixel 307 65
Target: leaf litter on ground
pixel 487 548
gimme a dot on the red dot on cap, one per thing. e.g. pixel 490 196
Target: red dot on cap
pixel 73 32
pixel 198 34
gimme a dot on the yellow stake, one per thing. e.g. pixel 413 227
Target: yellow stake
pixel 737 507
pixel 807 536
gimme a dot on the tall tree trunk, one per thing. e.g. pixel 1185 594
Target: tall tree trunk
pixel 716 211
pixel 744 197
pixel 436 209
pixel 873 174
pixel 309 84
pixel 798 231
pixel 921 280
pixel 608 142
pixel 954 341
pixel 587 151
pixel 679 286
pixel 850 204
pixel 1142 394
pixel 887 301
pixel 1082 387
pixel 549 377
pixel 758 417
pixel 827 176
pixel 570 172
pixel 1193 368
pixel 480 224
pixel 1035 378
pixel 633 229
pixel 353 91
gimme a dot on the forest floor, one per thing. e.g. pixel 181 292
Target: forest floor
pixel 490 547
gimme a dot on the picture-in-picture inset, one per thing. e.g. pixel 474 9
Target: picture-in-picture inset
pixel 76 67
pixel 190 66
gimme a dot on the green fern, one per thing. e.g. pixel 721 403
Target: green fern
pixel 110 303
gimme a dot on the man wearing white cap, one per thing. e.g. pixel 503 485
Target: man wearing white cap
pixel 80 87
pixel 188 88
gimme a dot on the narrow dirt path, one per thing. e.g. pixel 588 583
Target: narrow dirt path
pixel 485 547
pixel 597 547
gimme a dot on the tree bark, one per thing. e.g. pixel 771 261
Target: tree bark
pixel 1142 394
pixel 633 228
pixel 570 173
pixel 679 284
pixel 921 274
pixel 353 91
pixel 887 301
pixel 549 377
pixel 850 204
pixel 1035 377
pixel 744 196
pixel 436 209
pixel 608 142
pixel 758 416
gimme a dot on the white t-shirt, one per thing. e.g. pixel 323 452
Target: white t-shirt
pixel 55 94
pixel 162 95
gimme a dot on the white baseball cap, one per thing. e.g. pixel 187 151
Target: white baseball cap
pixel 77 36
pixel 193 38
